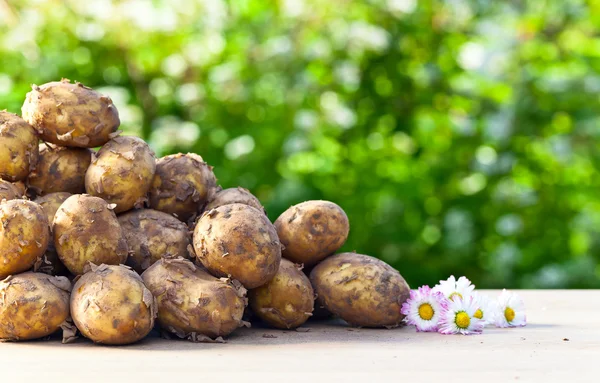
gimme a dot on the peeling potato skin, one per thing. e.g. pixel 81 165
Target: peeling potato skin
pixel 86 230
pixel 18 147
pixel 287 301
pixel 122 172
pixel 152 235
pixel 312 230
pixel 110 304
pixel 238 241
pixel 50 262
pixel 191 301
pixel 234 195
pixel 182 185
pixel 362 290
pixel 9 191
pixel 33 305
pixel 60 169
pixel 71 115
pixel 24 235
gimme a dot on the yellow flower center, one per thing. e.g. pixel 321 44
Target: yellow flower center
pixel 455 294
pixel 509 314
pixel 478 314
pixel 462 320
pixel 426 311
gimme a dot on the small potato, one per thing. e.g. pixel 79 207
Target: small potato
pixel 60 169
pixel 152 235
pixel 24 235
pixel 111 305
pixel 33 305
pixel 239 241
pixel 193 304
pixel 50 262
pixel 312 230
pixel 122 173
pixel 234 195
pixel 87 230
pixel 182 185
pixel 287 301
pixel 9 191
pixel 18 147
pixel 72 115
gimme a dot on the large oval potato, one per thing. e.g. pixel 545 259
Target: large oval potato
pixel 312 230
pixel 9 191
pixel 49 263
pixel 60 169
pixel 68 114
pixel 152 235
pixel 33 305
pixel 18 147
pixel 287 300
pixel 239 241
pixel 182 185
pixel 362 290
pixel 24 235
pixel 110 304
pixel 122 172
pixel 193 303
pixel 234 195
pixel 87 230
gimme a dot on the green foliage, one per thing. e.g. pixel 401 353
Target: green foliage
pixel 460 136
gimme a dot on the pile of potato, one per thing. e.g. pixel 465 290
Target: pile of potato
pixel 110 243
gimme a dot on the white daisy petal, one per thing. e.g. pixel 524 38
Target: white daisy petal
pixel 458 318
pixel 510 310
pixel 452 287
pixel 424 309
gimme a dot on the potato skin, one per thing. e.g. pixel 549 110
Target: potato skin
pixel 152 235
pixel 362 290
pixel 312 230
pixel 192 302
pixel 87 230
pixel 33 305
pixel 24 235
pixel 122 172
pixel 50 263
pixel 287 300
pixel 18 147
pixel 234 195
pixel 60 169
pixel 9 191
pixel 182 185
pixel 111 305
pixel 239 241
pixel 72 115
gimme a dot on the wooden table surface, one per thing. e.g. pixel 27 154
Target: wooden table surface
pixel 561 343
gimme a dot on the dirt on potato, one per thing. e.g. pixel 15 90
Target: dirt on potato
pixel 234 195
pixel 50 263
pixel 18 147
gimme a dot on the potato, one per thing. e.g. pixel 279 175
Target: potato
pixel 239 241
pixel 110 304
pixel 20 187
pixel 60 169
pixel 193 304
pixel 182 185
pixel 68 114
pixel 24 235
pixel 234 195
pixel 33 305
pixel 312 230
pixel 360 289
pixel 8 191
pixel 50 263
pixel 122 173
pixel 87 230
pixel 152 235
pixel 286 301
pixel 18 147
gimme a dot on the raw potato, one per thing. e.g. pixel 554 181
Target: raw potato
pixel 122 173
pixel 20 187
pixel 60 169
pixel 285 302
pixel 18 147
pixel 192 303
pixel 9 191
pixel 182 185
pixel 87 230
pixel 312 230
pixel 362 290
pixel 152 235
pixel 239 241
pixel 33 305
pixel 50 263
pixel 68 114
pixel 24 235
pixel 234 195
pixel 110 304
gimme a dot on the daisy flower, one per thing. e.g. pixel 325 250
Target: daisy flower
pixel 424 308
pixel 459 317
pixel 510 311
pixel 485 308
pixel 452 288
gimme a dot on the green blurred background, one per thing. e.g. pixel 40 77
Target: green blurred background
pixel 461 137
